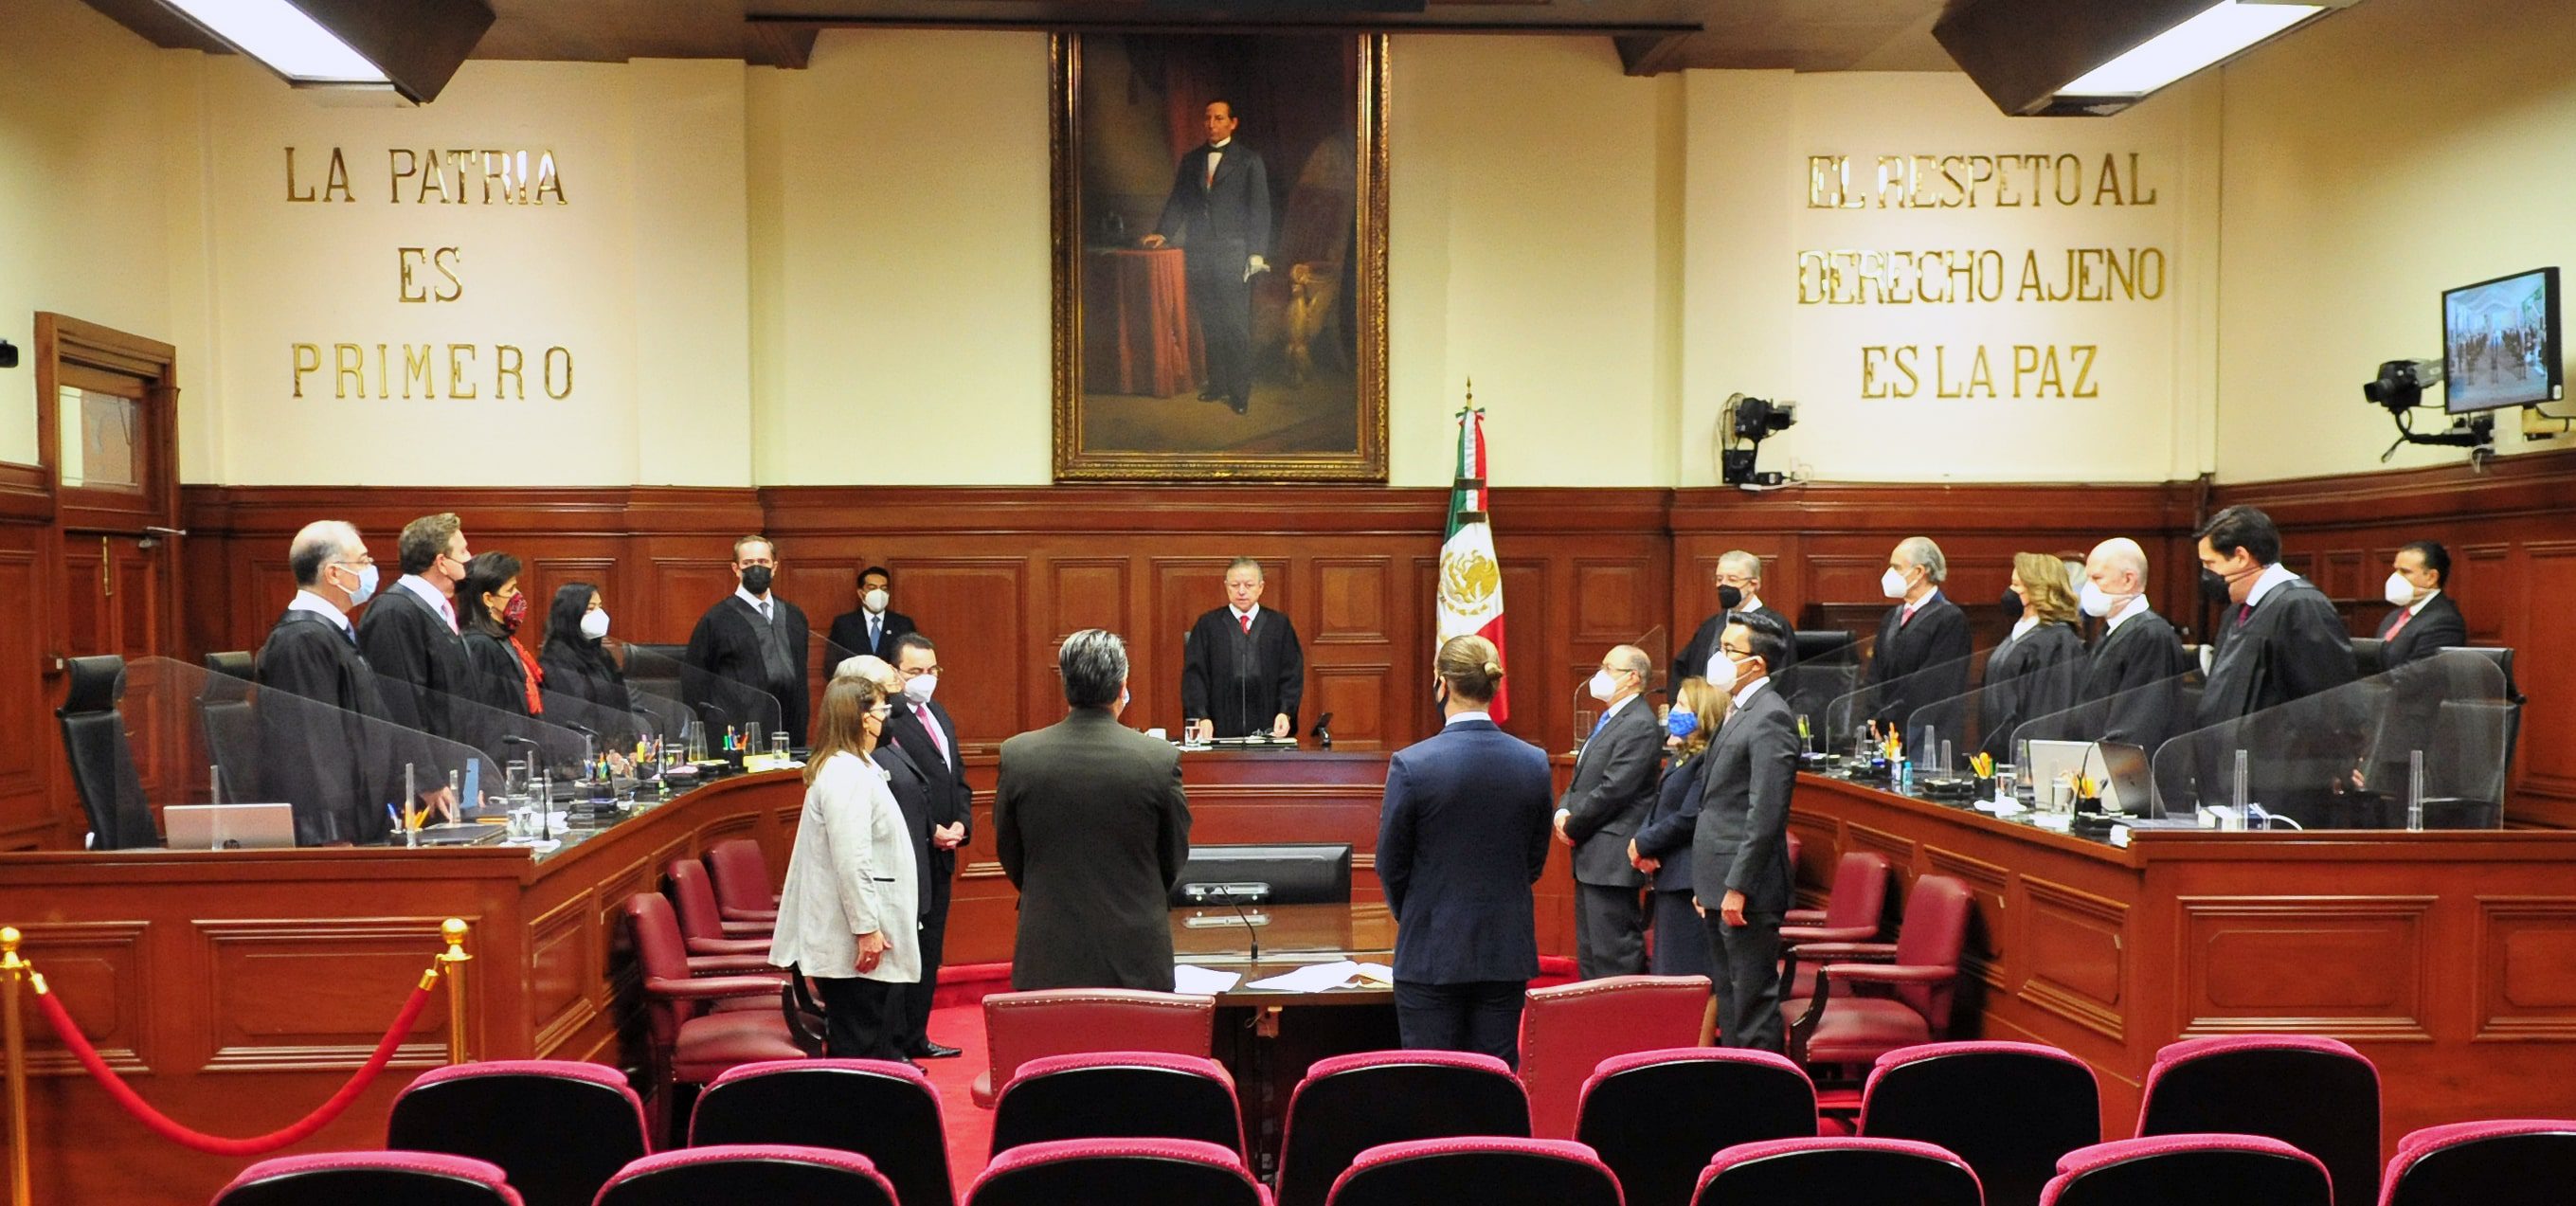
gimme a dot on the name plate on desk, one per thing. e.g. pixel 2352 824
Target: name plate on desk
pixel 1213 921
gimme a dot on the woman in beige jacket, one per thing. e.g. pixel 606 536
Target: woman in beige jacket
pixel 849 917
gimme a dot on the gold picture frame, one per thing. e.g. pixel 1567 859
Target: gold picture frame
pixel 1292 387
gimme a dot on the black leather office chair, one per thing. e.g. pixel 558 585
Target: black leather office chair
pixel 231 728
pixel 102 763
pixel 1826 645
pixel 2369 656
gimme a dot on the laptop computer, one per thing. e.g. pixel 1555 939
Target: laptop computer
pixel 2121 768
pixel 229 826
pixel 2051 759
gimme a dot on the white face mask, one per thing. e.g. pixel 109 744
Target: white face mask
pixel 2095 602
pixel 594 624
pixel 2399 592
pixel 1892 584
pixel 919 687
pixel 875 601
pixel 1603 686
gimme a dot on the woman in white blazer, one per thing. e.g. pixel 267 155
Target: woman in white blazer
pixel 849 918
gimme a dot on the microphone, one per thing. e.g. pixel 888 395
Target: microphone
pixel 1238 895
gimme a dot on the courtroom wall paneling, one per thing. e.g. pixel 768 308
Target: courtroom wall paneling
pixel 37 808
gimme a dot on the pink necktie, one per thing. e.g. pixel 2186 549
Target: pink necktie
pixel 937 742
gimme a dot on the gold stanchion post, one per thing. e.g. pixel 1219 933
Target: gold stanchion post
pixel 14 972
pixel 451 964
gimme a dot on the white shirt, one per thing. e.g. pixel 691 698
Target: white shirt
pixel 1483 716
pixel 2272 575
pixel 306 600
pixel 1624 702
pixel 2135 606
pixel 2022 627
pixel 2418 605
pixel 1216 151
pixel 438 603
pixel 1750 602
pixel 1745 693
pixel 758 603
pixel 1242 617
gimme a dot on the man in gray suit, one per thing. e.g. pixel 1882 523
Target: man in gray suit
pixel 1091 825
pixel 1613 790
pixel 1740 851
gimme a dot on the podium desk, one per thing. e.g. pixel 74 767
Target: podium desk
pixel 238 989
pixel 2448 958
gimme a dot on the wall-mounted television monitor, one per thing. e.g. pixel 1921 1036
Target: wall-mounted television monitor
pixel 2500 343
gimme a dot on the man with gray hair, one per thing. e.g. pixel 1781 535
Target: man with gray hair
pixel 1242 673
pixel 2132 687
pixel 1923 642
pixel 338 759
pixel 1090 823
pixel 1738 580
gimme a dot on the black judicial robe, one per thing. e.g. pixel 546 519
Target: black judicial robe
pixel 337 759
pixel 2291 646
pixel 2142 662
pixel 418 660
pixel 732 643
pixel 588 676
pixel 2031 675
pixel 1242 682
pixel 1935 640
pixel 501 684
pixel 2433 629
pixel 1692 661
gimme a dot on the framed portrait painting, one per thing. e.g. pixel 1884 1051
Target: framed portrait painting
pixel 1220 257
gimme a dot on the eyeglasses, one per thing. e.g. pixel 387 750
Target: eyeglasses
pixel 881 710
pixel 918 671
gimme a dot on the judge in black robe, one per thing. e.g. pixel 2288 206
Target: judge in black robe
pixel 419 660
pixel 734 643
pixel 2279 640
pixel 576 667
pixel 331 758
pixel 2132 688
pixel 2033 674
pixel 1923 643
pixel 1692 661
pixel 1245 682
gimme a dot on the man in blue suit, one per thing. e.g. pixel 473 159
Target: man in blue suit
pixel 1220 209
pixel 1462 837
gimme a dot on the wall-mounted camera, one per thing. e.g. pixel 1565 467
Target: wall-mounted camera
pixel 8 354
pixel 1746 423
pixel 2399 389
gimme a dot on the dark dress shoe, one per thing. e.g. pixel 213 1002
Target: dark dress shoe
pixel 934 1051
pixel 1209 395
pixel 1240 403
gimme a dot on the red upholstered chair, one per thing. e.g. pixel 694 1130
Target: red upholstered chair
pixel 559 1128
pixel 2316 1094
pixel 1656 1117
pixel 1839 1169
pixel 774 1174
pixel 2197 1170
pixel 884 1110
pixel 2509 1162
pixel 1487 1171
pixel 686 1044
pixel 1861 1011
pixel 1854 913
pixel 381 1178
pixel 2011 1110
pixel 705 928
pixel 1351 1103
pixel 1568 1030
pixel 1127 1172
pixel 1022 1026
pixel 1118 1095
pixel 741 876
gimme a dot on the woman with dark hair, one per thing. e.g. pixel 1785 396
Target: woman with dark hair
pixel 576 666
pixel 490 609
pixel 849 918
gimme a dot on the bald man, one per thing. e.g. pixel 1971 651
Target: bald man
pixel 2133 679
pixel 1613 789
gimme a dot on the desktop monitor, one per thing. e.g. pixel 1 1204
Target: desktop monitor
pixel 2500 343
pixel 1293 873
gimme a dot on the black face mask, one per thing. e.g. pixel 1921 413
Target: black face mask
pixel 756 579
pixel 2213 588
pixel 2011 603
pixel 1729 598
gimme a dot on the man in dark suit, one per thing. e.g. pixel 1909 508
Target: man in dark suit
pixel 1739 589
pixel 921 728
pixel 1090 823
pixel 2426 620
pixel 872 628
pixel 1462 837
pixel 1740 851
pixel 2279 640
pixel 754 640
pixel 2131 691
pixel 1612 791
pixel 1923 642
pixel 410 634
pixel 1219 209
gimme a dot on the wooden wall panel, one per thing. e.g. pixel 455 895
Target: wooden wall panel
pixel 32 759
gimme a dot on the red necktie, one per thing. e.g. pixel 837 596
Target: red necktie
pixel 1246 617
pixel 2399 626
pixel 2244 612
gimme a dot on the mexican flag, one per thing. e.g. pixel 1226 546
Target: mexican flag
pixel 1471 580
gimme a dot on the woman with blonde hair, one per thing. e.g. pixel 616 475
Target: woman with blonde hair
pixel 849 918
pixel 2035 671
pixel 1462 837
pixel 1662 846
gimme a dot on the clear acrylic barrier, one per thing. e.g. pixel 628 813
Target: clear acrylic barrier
pixel 1984 720
pixel 505 736
pixel 201 738
pixel 663 683
pixel 1891 705
pixel 1811 687
pixel 2347 758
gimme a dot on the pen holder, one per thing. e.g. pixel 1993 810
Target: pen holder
pixel 1985 787
pixel 2088 804
pixel 733 761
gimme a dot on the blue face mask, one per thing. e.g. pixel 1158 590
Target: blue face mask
pixel 366 585
pixel 1681 724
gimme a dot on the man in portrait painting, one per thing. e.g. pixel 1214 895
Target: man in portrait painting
pixel 1219 214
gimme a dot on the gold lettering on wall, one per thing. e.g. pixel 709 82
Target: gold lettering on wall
pixel 444 260
pixel 432 371
pixel 1972 181
pixel 335 182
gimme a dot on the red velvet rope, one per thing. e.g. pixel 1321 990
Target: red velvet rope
pixel 69 1032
